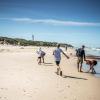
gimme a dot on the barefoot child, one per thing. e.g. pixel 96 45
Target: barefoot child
pixel 41 55
pixel 91 63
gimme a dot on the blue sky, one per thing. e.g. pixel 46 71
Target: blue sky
pixel 70 21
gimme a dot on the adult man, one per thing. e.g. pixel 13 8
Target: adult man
pixel 80 53
pixel 57 55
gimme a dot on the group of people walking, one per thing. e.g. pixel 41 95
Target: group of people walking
pixel 80 53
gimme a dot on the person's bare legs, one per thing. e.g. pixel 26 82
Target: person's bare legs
pixel 58 69
pixel 78 66
pixel 59 72
pixel 39 60
pixel 81 67
pixel 93 71
pixel 43 59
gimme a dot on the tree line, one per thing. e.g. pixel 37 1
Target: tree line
pixel 24 42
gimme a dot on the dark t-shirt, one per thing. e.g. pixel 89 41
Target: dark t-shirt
pixel 80 53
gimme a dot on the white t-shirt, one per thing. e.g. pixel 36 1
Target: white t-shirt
pixel 57 54
pixel 40 53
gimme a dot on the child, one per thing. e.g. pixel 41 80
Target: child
pixel 92 63
pixel 41 55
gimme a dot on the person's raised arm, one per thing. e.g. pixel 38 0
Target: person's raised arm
pixel 65 55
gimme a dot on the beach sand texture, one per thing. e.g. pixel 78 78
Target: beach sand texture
pixel 21 78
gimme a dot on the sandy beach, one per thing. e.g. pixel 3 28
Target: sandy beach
pixel 21 78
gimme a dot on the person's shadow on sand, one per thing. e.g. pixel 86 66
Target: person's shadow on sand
pixel 66 76
pixel 48 64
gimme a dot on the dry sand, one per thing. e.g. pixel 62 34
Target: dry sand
pixel 21 78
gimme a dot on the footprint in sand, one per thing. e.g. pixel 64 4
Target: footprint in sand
pixel 68 86
pixel 27 93
pixel 3 97
pixel 30 93
pixel 3 88
pixel 65 98
pixel 61 90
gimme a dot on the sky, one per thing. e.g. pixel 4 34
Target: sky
pixel 75 22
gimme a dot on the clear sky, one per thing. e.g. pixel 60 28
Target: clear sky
pixel 70 21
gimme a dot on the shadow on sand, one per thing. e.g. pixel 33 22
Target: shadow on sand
pixel 48 64
pixel 65 76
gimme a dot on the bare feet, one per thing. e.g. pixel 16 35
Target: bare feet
pixel 81 71
pixel 60 73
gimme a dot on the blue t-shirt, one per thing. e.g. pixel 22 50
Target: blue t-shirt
pixel 57 54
